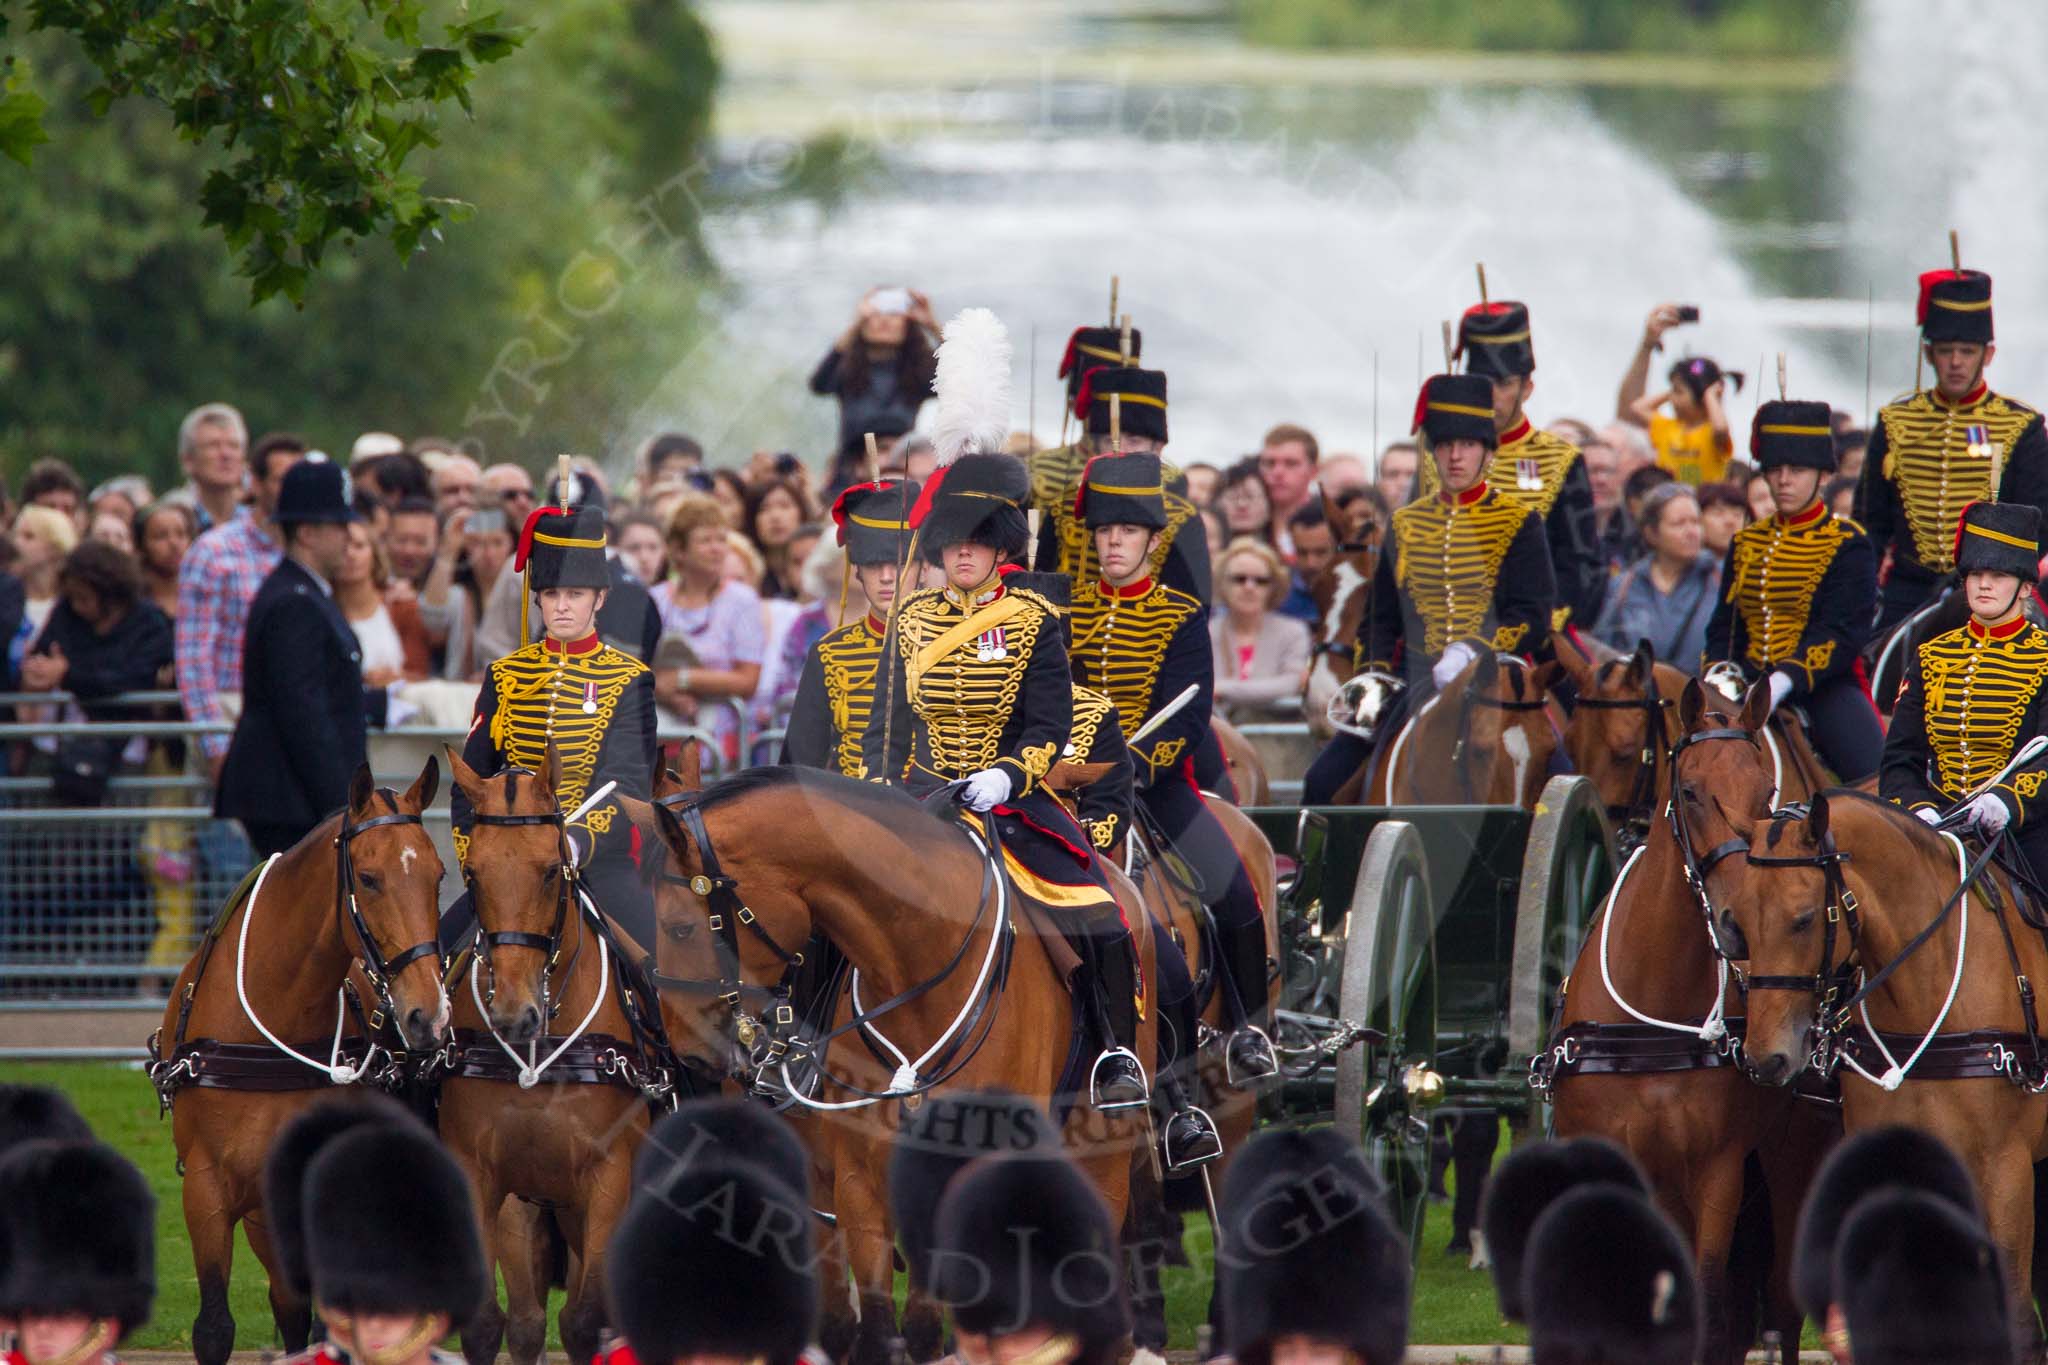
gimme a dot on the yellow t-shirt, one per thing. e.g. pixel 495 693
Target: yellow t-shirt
pixel 1689 454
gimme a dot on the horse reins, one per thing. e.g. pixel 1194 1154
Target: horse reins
pixel 1657 743
pixel 380 970
pixel 548 944
pixel 1474 697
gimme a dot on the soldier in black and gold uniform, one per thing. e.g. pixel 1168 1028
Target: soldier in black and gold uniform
pixel 1144 644
pixel 836 694
pixel 1534 468
pixel 1465 569
pixel 1796 593
pixel 979 696
pixel 1935 450
pixel 1974 695
pixel 595 702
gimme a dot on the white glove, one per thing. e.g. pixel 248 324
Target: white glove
pixel 1929 814
pixel 1988 813
pixel 1781 688
pixel 1457 656
pixel 987 789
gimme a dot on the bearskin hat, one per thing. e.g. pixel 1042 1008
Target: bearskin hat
pixel 28 1112
pixel 1865 1162
pixel 1456 407
pixel 1526 1184
pixel 1919 1282
pixel 979 498
pixel 1609 1278
pixel 77 1233
pixel 721 1131
pixel 391 1225
pixel 1141 401
pixel 292 1152
pixel 873 520
pixel 563 549
pixel 938 1141
pixel 1089 347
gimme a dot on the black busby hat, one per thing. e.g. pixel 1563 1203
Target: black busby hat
pixel 1022 1238
pixel 1119 489
pixel 938 1141
pixel 1307 1249
pixel 1919 1282
pixel 1865 1162
pixel 28 1112
pixel 1609 1278
pixel 316 489
pixel 1141 405
pixel 1791 432
pixel 584 491
pixel 720 1132
pixel 291 1154
pixel 78 1223
pixel 391 1225
pixel 1494 340
pixel 715 1224
pixel 2003 537
pixel 1089 347
pixel 1527 1183
pixel 979 498
pixel 563 549
pixel 1453 407
pixel 1955 305
pixel 873 520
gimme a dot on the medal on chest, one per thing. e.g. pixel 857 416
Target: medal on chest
pixel 991 645
pixel 1977 442
pixel 590 699
pixel 1528 475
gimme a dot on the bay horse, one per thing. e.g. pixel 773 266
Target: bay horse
pixel 556 1056
pixel 249 1040
pixel 1645 1054
pixel 1486 739
pixel 1241 757
pixel 1341 592
pixel 766 856
pixel 1857 925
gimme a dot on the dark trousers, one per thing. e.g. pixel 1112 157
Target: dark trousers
pixel 1843 722
pixel 1177 807
pixel 269 839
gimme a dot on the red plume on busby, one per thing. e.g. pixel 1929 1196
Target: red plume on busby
pixel 1954 305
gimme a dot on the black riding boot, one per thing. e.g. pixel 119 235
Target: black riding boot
pixel 1248 1054
pixel 1190 1137
pixel 1117 1080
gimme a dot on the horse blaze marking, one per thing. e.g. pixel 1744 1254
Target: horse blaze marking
pixel 1517 745
pixel 406 858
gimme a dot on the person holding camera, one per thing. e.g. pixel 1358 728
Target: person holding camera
pixel 881 366
pixel 1692 439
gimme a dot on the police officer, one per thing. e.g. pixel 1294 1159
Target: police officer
pixel 836 693
pixel 1464 569
pixel 1537 469
pixel 1144 645
pixel 1936 450
pixel 303 730
pixel 1973 695
pixel 594 702
pixel 1796 593
pixel 77 1250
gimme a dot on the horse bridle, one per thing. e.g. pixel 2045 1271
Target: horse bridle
pixel 1474 697
pixel 1699 867
pixel 1657 743
pixel 1828 977
pixel 380 970
pixel 548 944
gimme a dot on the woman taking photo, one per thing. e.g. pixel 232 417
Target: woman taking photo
pixel 1667 594
pixel 1261 656
pixel 881 367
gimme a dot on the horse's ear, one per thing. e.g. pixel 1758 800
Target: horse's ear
pixel 689 769
pixel 1485 667
pixel 1692 705
pixel 1756 706
pixel 645 819
pixel 467 780
pixel 1817 817
pixel 551 768
pixel 420 794
pixel 1640 664
pixel 360 787
pixel 1547 674
pixel 1573 659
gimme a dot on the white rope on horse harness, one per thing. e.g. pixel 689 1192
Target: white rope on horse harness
pixel 338 1071
pixel 529 1070
pixel 1714 1027
pixel 1895 1071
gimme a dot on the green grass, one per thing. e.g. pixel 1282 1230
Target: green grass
pixel 1452 1304
pixel 1731 29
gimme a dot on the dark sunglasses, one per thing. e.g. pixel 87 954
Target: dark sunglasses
pixel 1245 579
pixel 515 495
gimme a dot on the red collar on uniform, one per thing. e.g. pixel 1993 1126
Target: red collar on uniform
pixel 588 644
pixel 1970 399
pixel 1799 521
pixel 1466 498
pixel 1520 432
pixel 877 624
pixel 1137 589
pixel 1979 631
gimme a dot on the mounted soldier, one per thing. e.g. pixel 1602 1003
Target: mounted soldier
pixel 836 694
pixel 1465 570
pixel 1937 450
pixel 594 703
pixel 977 696
pixel 1796 595
pixel 1146 646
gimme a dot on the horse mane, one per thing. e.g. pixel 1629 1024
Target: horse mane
pixel 1903 820
pixel 873 799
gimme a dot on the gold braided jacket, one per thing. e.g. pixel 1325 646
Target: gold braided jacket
pixel 1937 471
pixel 1776 567
pixel 850 658
pixel 1528 469
pixel 1121 641
pixel 1978 690
pixel 970 697
pixel 1448 564
pixel 1055 478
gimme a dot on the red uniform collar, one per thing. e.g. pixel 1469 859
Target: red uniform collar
pixel 1519 432
pixel 1466 498
pixel 587 645
pixel 1799 521
pixel 1125 593
pixel 1970 399
pixel 1979 631
pixel 877 624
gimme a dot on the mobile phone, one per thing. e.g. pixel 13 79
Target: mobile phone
pixel 1688 312
pixel 892 301
pixel 787 464
pixel 486 520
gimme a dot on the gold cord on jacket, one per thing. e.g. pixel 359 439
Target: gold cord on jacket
pixel 1777 569
pixel 1449 564
pixel 1979 690
pixel 1938 472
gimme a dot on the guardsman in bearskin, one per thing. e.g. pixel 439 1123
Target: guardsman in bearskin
pixel 1525 1185
pixel 1917 1280
pixel 1936 450
pixel 1146 645
pixel 1796 594
pixel 1608 1278
pixel 1537 469
pixel 836 694
pixel 977 696
pixel 28 1112
pixel 1464 569
pixel 1972 696
pixel 1024 1256
pixel 393 1246
pixel 593 702
pixel 1308 1263
pixel 77 1251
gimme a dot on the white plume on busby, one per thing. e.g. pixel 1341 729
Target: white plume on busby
pixel 973 385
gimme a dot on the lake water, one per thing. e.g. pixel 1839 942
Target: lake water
pixel 1291 229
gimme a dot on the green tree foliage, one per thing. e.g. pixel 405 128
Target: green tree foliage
pixel 532 328
pixel 1673 27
